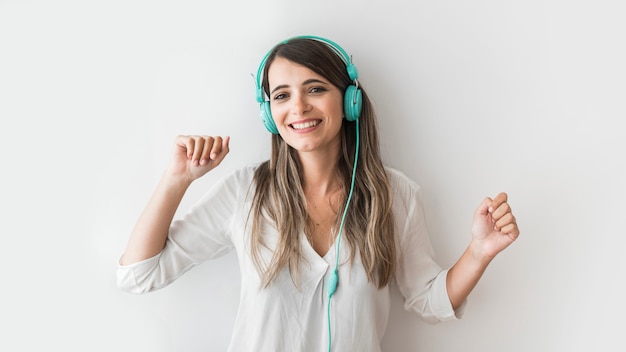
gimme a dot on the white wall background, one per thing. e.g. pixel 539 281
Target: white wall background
pixel 474 97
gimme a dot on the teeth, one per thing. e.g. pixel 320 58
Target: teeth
pixel 299 126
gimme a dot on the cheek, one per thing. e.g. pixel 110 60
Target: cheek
pixel 339 110
pixel 336 107
pixel 278 111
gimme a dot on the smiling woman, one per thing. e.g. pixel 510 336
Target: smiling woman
pixel 472 97
pixel 307 110
pixel 285 218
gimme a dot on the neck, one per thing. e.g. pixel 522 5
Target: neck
pixel 319 173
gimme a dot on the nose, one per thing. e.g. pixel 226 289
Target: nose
pixel 299 104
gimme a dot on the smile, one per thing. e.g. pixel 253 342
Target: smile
pixel 303 125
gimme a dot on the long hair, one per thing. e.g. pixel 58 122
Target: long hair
pixel 279 196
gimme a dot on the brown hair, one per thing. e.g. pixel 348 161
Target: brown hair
pixel 369 226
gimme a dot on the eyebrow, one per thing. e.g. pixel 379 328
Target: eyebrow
pixel 308 81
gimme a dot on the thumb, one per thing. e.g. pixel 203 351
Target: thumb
pixel 484 208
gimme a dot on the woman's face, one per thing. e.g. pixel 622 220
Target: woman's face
pixel 307 109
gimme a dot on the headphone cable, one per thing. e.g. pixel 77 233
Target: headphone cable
pixel 334 277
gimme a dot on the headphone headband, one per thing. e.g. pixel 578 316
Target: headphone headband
pixel 352 71
pixel 352 95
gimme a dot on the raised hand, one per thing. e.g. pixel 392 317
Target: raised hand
pixel 494 227
pixel 196 155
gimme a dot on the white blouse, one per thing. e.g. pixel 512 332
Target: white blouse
pixel 283 317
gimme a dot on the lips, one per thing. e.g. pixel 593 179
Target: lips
pixel 305 124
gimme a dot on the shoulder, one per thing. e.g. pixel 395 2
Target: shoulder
pixel 400 182
pixel 231 186
pixel 243 174
pixel 405 193
pixel 407 203
pixel 235 181
pixel 246 171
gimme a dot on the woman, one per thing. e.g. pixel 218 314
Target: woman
pixel 321 229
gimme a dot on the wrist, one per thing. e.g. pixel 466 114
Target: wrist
pixel 175 181
pixel 477 252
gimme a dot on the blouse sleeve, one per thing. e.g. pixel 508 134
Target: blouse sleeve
pixel 203 233
pixel 421 281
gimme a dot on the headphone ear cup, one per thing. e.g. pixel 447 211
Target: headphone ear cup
pixel 352 102
pixel 266 117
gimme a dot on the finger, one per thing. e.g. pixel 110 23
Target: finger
pixel 189 144
pixel 224 149
pixel 217 148
pixel 501 211
pixel 226 144
pixel 483 207
pixel 185 144
pixel 502 222
pixel 511 230
pixel 209 142
pixel 497 201
pixel 198 149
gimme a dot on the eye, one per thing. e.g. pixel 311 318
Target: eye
pixel 317 90
pixel 280 96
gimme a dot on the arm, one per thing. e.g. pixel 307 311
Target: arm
pixel 494 228
pixel 192 158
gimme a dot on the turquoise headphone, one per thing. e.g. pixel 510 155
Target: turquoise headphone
pixel 352 99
